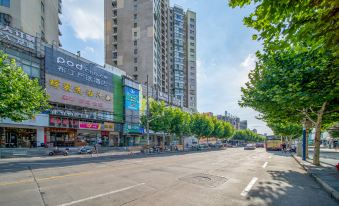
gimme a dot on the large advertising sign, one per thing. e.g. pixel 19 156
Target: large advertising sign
pixel 132 99
pixel 74 68
pixel 17 37
pixel 70 92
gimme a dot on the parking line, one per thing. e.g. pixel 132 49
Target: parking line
pixel 265 165
pixel 248 187
pixel 100 195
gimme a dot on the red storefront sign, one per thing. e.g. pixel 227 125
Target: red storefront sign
pixel 89 125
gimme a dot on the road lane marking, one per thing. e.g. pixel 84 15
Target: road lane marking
pixel 42 179
pixel 101 195
pixel 270 157
pixel 248 187
pixel 265 165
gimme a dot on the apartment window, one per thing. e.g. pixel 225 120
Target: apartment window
pixel 115 38
pixel 115 55
pixel 115 30
pixel 135 34
pixel 42 35
pixel 115 13
pixel 191 50
pixel 135 16
pixel 135 25
pixel 191 38
pixel 115 46
pixel 114 4
pixel 6 3
pixel 135 69
pixel 135 51
pixel 42 7
pixel 115 63
pixel 135 77
pixel 135 42
pixel 135 60
pixel 115 21
pixel 192 44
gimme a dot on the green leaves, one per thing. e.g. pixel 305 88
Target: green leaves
pixel 173 120
pixel 248 136
pixel 20 97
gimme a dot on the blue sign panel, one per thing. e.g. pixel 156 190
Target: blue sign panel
pixel 74 68
pixel 131 99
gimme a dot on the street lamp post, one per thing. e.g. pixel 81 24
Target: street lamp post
pixel 147 113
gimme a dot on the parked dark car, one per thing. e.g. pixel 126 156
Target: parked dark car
pixel 58 152
pixel 259 144
pixel 249 147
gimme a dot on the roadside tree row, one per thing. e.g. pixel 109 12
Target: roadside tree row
pixel 295 81
pixel 175 122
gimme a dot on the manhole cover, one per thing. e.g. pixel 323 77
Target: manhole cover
pixel 204 179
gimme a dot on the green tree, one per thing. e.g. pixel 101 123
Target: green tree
pixel 291 22
pixel 218 131
pixel 202 125
pixel 228 130
pixel 21 98
pixel 293 86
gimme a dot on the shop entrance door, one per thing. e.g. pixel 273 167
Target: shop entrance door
pixel 11 139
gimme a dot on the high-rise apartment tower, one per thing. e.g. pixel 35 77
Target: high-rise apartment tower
pixel 150 38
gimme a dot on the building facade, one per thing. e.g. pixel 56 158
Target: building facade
pixel 35 17
pixel 147 38
pixel 89 103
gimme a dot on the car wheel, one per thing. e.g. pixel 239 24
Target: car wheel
pixel 51 154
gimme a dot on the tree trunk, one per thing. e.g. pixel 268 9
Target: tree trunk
pixel 316 153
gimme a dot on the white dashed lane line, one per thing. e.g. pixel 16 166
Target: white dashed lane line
pixel 248 187
pixel 265 165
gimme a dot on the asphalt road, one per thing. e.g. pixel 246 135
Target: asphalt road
pixel 226 177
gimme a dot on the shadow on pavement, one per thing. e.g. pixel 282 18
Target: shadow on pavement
pixel 20 165
pixel 288 188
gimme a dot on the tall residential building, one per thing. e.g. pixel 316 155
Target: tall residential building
pixel 150 38
pixel 35 17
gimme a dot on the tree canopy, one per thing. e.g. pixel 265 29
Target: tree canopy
pixel 296 75
pixel 21 98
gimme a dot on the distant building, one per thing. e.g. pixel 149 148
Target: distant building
pixel 235 121
pixel 34 17
pixel 243 124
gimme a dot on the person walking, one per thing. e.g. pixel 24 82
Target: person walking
pixel 283 147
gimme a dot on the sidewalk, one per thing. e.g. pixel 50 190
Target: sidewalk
pixel 326 175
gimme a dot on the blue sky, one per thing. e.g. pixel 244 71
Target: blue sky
pixel 225 49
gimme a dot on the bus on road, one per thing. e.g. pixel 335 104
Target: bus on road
pixel 273 143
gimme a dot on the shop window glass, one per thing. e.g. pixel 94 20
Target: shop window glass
pixel 27 69
pixel 35 72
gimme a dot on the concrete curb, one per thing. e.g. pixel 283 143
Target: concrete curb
pixel 333 193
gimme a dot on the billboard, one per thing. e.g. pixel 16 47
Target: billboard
pixel 17 37
pixel 65 91
pixel 132 99
pixel 76 69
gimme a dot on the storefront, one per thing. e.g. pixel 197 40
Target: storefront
pixel 28 133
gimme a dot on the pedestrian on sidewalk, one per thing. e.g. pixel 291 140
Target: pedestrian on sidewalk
pixel 283 147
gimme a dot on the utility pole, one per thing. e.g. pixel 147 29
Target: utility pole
pixel 147 113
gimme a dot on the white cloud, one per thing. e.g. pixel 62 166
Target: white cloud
pixel 86 18
pixel 219 90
